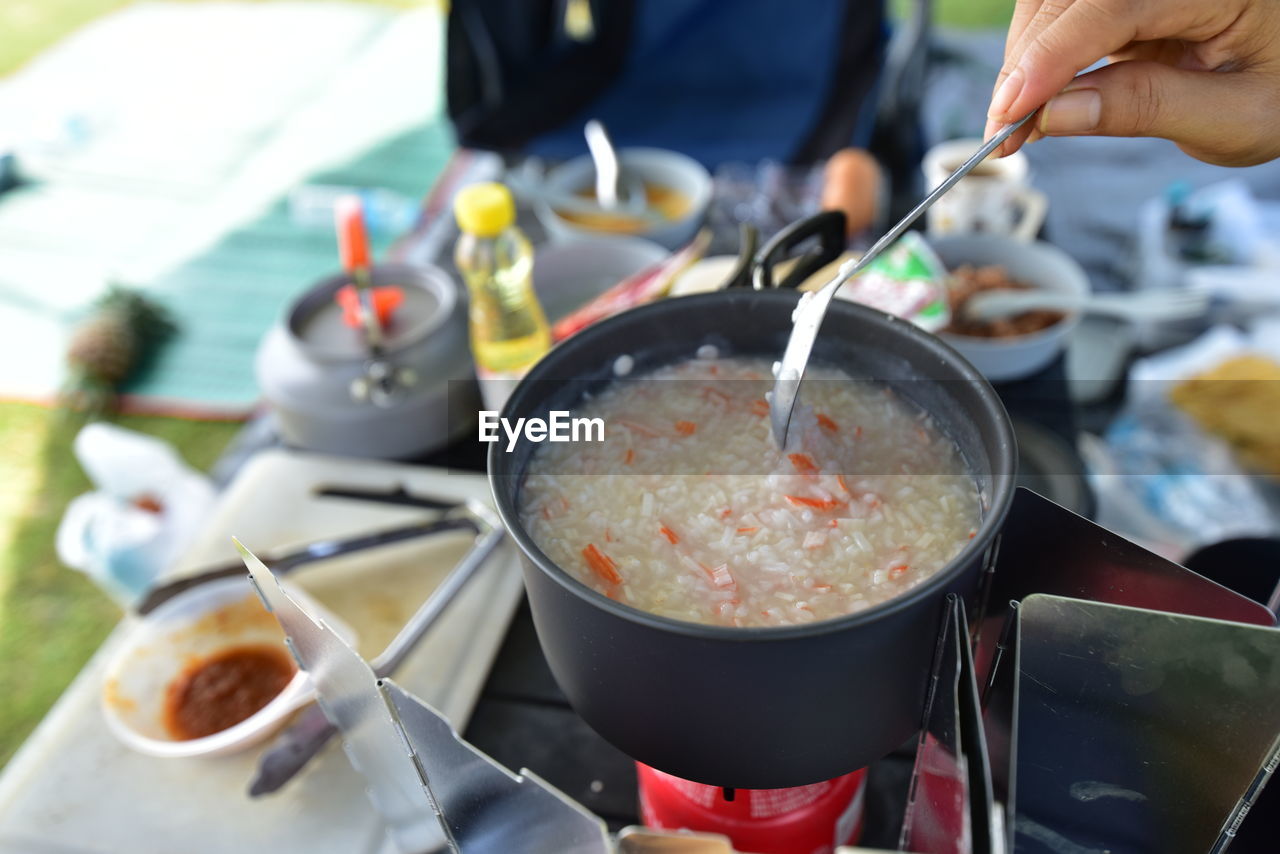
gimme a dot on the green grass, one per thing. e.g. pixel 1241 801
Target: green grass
pixel 52 618
pixel 969 13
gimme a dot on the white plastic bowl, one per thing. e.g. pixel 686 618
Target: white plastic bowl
pixel 1037 264
pixel 192 625
pixel 567 275
pixel 651 165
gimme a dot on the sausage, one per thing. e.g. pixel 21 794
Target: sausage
pixel 852 182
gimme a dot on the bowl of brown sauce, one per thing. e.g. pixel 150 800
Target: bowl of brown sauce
pixel 206 673
pixel 677 191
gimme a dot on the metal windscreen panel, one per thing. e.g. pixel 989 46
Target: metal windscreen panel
pixel 1044 548
pixel 347 691
pixel 1139 731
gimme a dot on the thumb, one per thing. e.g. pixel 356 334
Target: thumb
pixel 1219 117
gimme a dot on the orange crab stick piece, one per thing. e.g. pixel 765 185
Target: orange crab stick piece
pixel 815 503
pixel 803 463
pixel 601 564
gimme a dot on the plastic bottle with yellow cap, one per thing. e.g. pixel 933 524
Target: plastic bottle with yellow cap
pixel 509 330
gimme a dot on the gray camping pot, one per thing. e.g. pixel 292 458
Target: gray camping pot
pixel 754 707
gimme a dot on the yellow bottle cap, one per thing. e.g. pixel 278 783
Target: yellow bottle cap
pixel 485 210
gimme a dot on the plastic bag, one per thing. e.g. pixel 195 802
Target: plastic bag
pixel 147 507
pixel 1162 479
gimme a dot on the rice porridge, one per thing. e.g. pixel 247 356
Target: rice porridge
pixel 688 508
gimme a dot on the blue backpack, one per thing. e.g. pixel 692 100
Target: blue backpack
pixel 720 80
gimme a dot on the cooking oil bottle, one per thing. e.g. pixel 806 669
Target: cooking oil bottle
pixel 509 330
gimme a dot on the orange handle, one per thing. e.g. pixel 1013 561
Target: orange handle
pixel 353 240
pixel 385 302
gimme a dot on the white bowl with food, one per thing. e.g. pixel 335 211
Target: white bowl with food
pixel 677 192
pixel 1022 345
pixel 206 673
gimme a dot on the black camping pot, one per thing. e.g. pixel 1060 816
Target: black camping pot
pixel 754 707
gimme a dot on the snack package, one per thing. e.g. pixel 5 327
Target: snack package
pixel 907 280
pixel 1238 401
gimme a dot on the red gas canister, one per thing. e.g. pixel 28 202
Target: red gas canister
pixel 812 819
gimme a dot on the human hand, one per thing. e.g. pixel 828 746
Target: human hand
pixel 1202 73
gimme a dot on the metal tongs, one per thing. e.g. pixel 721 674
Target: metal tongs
pixel 325 549
pixel 808 315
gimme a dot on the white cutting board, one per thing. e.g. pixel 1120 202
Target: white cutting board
pixel 73 789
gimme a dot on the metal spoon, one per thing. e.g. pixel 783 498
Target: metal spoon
pixel 808 315
pixel 611 192
pixel 1160 306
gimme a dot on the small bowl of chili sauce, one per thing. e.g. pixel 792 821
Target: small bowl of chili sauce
pixel 206 673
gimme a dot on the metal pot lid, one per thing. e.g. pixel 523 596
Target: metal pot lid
pixel 315 320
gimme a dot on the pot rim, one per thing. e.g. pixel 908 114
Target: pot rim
pixel 1002 491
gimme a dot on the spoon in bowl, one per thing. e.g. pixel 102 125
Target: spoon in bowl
pixel 1149 306
pixel 612 192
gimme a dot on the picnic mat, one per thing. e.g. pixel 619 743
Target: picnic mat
pixel 150 170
